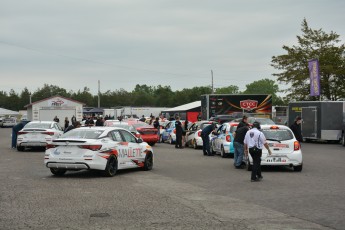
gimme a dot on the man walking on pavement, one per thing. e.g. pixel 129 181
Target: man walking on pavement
pixel 206 139
pixel 239 145
pixel 243 122
pixel 296 129
pixel 254 142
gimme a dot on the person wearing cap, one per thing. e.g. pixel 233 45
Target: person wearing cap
pixel 253 143
pixel 296 128
pixel 243 122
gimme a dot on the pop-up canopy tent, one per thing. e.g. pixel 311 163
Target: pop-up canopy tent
pixel 4 112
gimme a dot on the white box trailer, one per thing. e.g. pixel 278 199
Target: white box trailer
pixel 139 111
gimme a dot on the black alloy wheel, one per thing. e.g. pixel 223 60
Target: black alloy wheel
pixel 148 164
pixel 111 167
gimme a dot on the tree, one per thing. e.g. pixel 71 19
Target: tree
pixel 231 89
pixel 294 64
pixel 265 86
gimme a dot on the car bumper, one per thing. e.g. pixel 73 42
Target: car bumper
pixel 32 144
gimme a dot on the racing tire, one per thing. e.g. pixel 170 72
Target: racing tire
pixel 20 148
pixel 148 164
pixel 152 143
pixel 170 140
pixel 195 146
pixel 343 140
pixel 212 150
pixel 298 168
pixel 111 168
pixel 222 152
pixel 248 165
pixel 58 172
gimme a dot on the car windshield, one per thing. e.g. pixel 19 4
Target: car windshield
pixel 263 121
pixel 83 134
pixel 37 126
pixel 141 125
pixel 124 126
pixel 278 134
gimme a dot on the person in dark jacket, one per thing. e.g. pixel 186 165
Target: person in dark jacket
pixel 66 123
pixel 243 122
pixel 296 128
pixel 179 131
pixel 99 121
pixel 73 126
pixel 206 139
pixel 157 126
pixel 239 145
pixel 15 131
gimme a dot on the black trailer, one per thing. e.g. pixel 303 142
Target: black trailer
pixel 321 120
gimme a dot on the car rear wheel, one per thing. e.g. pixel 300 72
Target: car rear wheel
pixel 195 146
pixel 58 172
pixel 148 164
pixel 152 143
pixel 161 139
pixel 20 148
pixel 343 140
pixel 111 168
pixel 298 168
pixel 170 140
pixel 222 152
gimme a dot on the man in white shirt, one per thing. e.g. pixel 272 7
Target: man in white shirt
pixel 254 142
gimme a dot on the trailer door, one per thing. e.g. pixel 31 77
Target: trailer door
pixel 309 123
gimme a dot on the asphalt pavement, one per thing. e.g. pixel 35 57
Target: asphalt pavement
pixel 185 190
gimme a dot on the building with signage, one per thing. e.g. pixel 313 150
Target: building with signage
pixel 47 109
pixel 222 104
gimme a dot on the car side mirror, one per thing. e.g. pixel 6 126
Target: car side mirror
pixel 139 140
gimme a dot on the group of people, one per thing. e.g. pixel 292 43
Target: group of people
pixel 248 140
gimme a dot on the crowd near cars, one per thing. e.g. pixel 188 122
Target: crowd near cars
pixel 122 144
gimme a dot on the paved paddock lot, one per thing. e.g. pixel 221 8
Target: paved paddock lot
pixel 184 191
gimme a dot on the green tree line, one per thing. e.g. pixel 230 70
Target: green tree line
pixel 141 95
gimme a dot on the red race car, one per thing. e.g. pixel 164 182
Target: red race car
pixel 147 132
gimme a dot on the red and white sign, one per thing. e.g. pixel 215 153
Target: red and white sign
pixel 57 102
pixel 248 104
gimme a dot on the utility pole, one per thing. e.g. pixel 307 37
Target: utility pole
pixel 99 94
pixel 212 81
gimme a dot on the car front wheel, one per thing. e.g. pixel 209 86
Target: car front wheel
pixel 343 140
pixel 20 148
pixel 58 172
pixel 222 152
pixel 195 146
pixel 170 140
pixel 148 164
pixel 111 168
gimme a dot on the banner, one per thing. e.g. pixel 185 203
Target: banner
pixel 314 77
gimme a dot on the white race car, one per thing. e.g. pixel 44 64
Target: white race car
pixel 286 150
pixel 38 134
pixel 193 135
pixel 102 148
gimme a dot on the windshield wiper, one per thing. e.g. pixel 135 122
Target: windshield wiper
pixel 270 139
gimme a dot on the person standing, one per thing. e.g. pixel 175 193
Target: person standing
pixel 254 142
pixel 296 128
pixel 89 121
pixel 156 125
pixel 99 121
pixel 243 122
pixel 73 119
pixel 179 131
pixel 66 123
pixel 56 119
pixel 206 139
pixel 239 145
pixel 15 130
pixel 73 126
pixel 142 119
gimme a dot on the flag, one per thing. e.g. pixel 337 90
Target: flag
pixel 315 89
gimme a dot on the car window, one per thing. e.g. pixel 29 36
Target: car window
pixel 224 128
pixel 278 134
pixel 128 137
pixel 83 134
pixel 37 126
pixel 116 136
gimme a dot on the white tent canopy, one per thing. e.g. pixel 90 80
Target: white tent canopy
pixel 7 112
pixel 185 107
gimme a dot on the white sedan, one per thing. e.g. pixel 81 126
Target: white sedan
pixel 193 135
pixel 102 148
pixel 286 150
pixel 38 134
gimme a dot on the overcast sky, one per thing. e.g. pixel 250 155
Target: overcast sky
pixel 75 43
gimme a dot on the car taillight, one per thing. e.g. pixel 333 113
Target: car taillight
pixel 90 147
pixel 296 146
pixel 274 127
pixel 20 133
pixel 50 146
pixel 174 131
pixel 228 139
pixel 199 133
pixel 48 133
